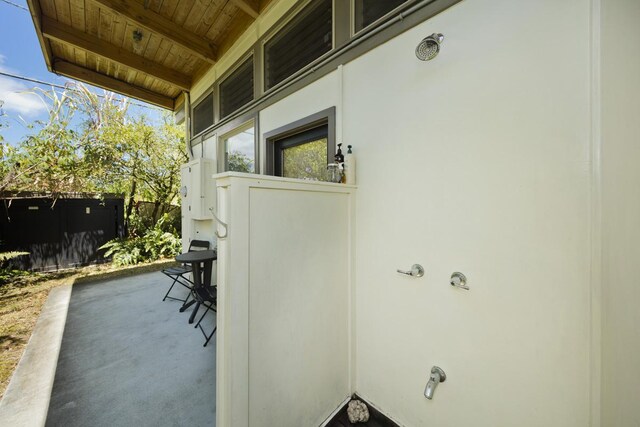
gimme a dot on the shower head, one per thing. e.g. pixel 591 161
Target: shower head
pixel 429 47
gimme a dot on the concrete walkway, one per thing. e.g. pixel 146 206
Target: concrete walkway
pixel 129 359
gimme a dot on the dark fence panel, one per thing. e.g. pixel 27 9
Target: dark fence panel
pixel 63 236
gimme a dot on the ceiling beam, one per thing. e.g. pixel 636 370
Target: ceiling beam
pixel 89 76
pixel 154 22
pixel 55 30
pixel 247 7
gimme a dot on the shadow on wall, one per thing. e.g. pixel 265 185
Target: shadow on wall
pixel 63 234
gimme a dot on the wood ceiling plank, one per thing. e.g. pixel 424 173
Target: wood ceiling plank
pixel 234 30
pixel 46 8
pixel 81 57
pixel 77 14
pixel 89 76
pixel 118 30
pixel 195 16
pixel 248 7
pixel 209 17
pixel 63 11
pixel 152 47
pixel 104 31
pixel 54 30
pixel 182 11
pixel 154 5
pixel 157 23
pixel 168 8
pixel 92 18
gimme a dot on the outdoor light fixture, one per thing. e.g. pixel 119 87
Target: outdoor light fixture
pixel 137 35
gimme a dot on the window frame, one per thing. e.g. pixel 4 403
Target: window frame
pixel 352 17
pixel 233 128
pixel 275 31
pixel 239 63
pixel 325 117
pixel 196 104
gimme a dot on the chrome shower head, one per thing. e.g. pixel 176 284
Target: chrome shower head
pixel 429 47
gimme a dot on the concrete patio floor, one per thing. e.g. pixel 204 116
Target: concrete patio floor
pixel 129 359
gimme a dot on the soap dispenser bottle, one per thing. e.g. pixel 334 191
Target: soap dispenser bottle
pixel 339 157
pixel 350 167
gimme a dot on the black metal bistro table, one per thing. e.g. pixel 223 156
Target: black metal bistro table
pixel 201 262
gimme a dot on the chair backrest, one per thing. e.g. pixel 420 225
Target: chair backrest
pixel 198 245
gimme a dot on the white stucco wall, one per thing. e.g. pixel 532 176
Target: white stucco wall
pixel 476 162
pixel 480 161
pixel 620 212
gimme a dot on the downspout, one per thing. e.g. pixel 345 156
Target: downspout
pixel 187 123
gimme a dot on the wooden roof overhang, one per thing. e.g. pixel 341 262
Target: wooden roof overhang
pixel 151 50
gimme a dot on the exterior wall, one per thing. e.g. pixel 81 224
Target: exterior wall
pixel 479 162
pixel 620 212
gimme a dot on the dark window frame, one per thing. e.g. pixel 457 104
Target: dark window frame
pixel 230 74
pixel 194 107
pixel 353 18
pixel 299 127
pixel 280 30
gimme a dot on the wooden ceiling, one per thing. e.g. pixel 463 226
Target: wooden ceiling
pixel 147 49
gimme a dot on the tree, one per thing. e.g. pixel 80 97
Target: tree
pixel 92 143
pixel 239 162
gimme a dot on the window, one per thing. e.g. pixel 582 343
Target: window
pixel 303 149
pixel 203 114
pixel 304 39
pixel 369 11
pixel 303 155
pixel 237 89
pixel 240 149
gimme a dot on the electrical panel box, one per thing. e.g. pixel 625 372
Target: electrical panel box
pixel 197 189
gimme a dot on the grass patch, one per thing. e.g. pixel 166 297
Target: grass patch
pixel 22 299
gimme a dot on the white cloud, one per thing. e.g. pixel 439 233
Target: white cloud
pixel 17 96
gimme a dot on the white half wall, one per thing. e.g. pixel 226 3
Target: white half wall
pixel 284 298
pixel 620 212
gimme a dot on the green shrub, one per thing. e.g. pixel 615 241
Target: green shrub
pixel 6 273
pixel 155 243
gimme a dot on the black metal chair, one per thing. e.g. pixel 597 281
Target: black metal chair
pixel 208 296
pixel 179 274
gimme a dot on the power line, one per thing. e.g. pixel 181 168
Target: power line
pixel 19 6
pixel 40 82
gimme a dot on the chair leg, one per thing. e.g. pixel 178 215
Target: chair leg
pixel 202 317
pixel 209 337
pixel 170 287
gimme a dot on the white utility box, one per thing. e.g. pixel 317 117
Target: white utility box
pixel 197 189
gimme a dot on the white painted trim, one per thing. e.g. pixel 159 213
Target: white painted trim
pixel 595 195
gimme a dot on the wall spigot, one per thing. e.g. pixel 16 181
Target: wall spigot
pixel 437 376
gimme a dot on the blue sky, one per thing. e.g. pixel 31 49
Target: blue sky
pixel 20 54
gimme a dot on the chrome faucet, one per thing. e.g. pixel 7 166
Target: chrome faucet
pixel 437 376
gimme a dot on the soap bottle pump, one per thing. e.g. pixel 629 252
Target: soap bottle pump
pixel 339 156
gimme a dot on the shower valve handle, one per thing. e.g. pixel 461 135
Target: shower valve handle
pixel 416 271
